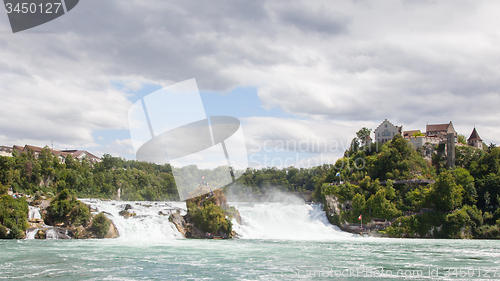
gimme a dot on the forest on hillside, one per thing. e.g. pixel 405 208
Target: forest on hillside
pixel 467 195
pixel 45 175
pixel 463 201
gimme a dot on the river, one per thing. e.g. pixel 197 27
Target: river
pixel 278 241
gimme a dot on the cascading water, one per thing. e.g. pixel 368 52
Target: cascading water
pixel 285 221
pixel 34 213
pixel 30 233
pixel 149 222
pixel 277 220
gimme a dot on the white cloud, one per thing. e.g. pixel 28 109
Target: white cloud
pixel 301 136
pixel 338 65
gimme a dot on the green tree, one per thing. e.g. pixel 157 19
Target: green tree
pixel 363 133
pixel 464 179
pixel 390 192
pixel 13 215
pixel 446 194
pixel 462 139
pixel 358 205
pixel 381 207
pixel 66 208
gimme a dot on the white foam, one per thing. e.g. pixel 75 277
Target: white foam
pixel 34 213
pixel 277 220
pixel 150 222
pixel 284 221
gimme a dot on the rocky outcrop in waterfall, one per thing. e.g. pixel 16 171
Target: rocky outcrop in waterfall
pixel 208 216
pixel 65 217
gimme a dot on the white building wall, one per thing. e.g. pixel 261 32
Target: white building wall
pixel 385 132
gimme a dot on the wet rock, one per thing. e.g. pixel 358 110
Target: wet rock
pixel 164 213
pixel 186 227
pixel 54 233
pixel 126 214
pixel 42 203
pixel 112 232
pixel 36 223
pixel 126 207
pixel 179 222
pixel 234 213
pixel 41 234
pixel 88 233
pixel 109 214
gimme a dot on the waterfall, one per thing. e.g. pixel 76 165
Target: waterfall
pixel 30 233
pixel 272 220
pixel 285 221
pixel 149 222
pixel 34 213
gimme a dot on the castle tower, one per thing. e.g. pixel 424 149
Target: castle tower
pixel 474 140
pixel 450 151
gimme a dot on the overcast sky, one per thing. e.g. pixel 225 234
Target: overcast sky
pixel 289 70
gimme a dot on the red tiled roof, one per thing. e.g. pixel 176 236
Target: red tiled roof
pixel 56 152
pixel 436 128
pixel 92 155
pixel 18 147
pixel 474 135
pixel 53 151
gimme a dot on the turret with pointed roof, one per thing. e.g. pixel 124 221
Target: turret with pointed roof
pixel 474 140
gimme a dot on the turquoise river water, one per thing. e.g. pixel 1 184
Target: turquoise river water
pixel 279 241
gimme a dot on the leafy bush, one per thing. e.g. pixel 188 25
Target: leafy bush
pixel 420 225
pixel 488 232
pixel 13 215
pixel 211 218
pixel 100 225
pixel 66 208
pixel 3 232
pixel 344 192
pixel 16 233
pixel 3 189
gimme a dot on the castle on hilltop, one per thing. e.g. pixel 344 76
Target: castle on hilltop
pixel 435 134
